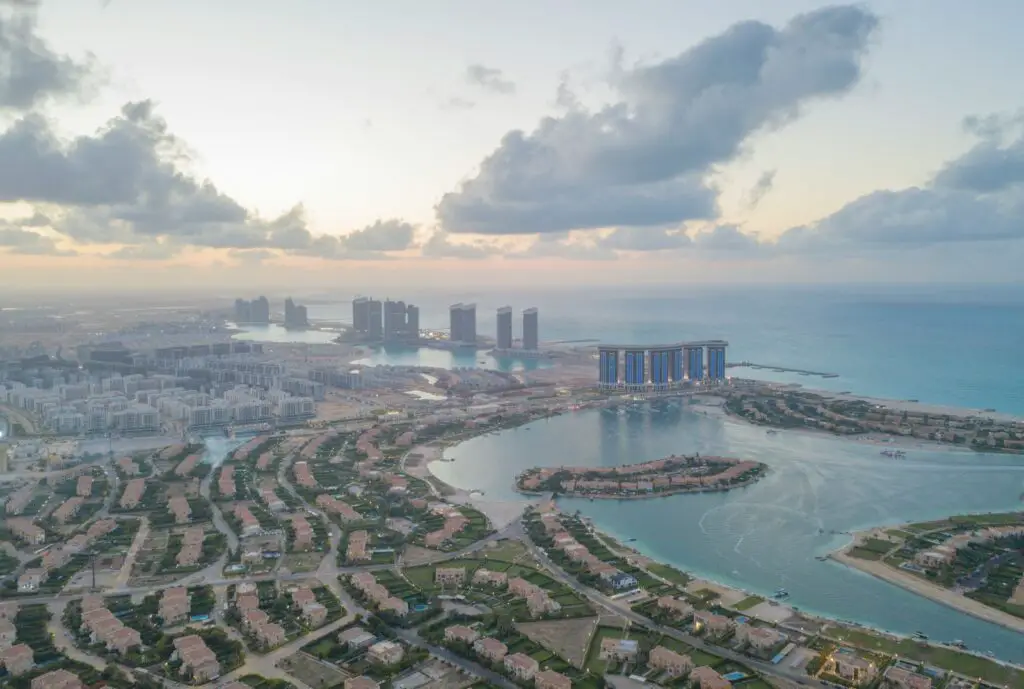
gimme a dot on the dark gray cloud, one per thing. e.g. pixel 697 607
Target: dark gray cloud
pixel 490 79
pixel 643 160
pixel 127 184
pixel 457 103
pixel 760 189
pixel 20 241
pixel 31 73
pixel 978 196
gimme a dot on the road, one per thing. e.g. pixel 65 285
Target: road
pixel 218 519
pixel 626 612
pixel 133 552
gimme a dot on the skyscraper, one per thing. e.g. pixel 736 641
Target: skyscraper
pixel 412 322
pixel 374 326
pixel 394 320
pixel 469 323
pixel 455 322
pixel 505 327
pixel 530 329
pixel 361 315
pixel 255 311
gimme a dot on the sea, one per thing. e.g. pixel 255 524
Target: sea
pixel 948 345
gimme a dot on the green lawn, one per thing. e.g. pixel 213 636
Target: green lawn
pixel 748 602
pixel 671 574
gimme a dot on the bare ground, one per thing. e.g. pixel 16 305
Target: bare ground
pixel 568 638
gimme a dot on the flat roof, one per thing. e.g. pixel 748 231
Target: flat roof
pixel 677 345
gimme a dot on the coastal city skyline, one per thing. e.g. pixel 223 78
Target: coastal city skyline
pixel 757 187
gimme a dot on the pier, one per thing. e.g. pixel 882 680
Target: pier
pixel 781 369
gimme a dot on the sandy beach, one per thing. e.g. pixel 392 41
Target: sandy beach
pixel 923 588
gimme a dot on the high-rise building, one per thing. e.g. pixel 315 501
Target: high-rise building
pixel 375 313
pixel 255 311
pixel 505 327
pixel 455 322
pixel 294 315
pixel 394 320
pixel 412 322
pixel 530 329
pixel 361 315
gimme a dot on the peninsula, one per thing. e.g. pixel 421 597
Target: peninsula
pixel 973 563
pixel 789 407
pixel 657 478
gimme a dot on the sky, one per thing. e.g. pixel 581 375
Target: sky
pixel 342 145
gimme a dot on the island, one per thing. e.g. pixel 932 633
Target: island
pixel 974 563
pixel 657 478
pixel 840 414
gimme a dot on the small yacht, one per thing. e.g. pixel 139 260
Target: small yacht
pixel 781 593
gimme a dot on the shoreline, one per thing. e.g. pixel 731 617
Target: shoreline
pixel 650 496
pixel 920 587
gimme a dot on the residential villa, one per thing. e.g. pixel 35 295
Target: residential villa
pixel 133 492
pixel 367 584
pixel 250 524
pixel 26 531
pixel 332 505
pixel 303 476
pixel 356 550
pixel 174 605
pixel 619 650
pixel 549 679
pixel 521 666
pixel 360 683
pixel 84 487
pixel 899 678
pixel 715 625
pixel 178 506
pixel 186 465
pixel 679 609
pixel 705 677
pixel 106 628
pixel 197 658
pixel 670 662
pixel 270 634
pixel 450 576
pixel 226 481
pixel 485 577
pixel 58 679
pixel 385 653
pixel 851 667
pixel 128 466
pixel 537 600
pixel 68 510
pixel 759 639
pixel 457 632
pixel 191 547
pixel 491 649
pixel 303 533
pixel 18 659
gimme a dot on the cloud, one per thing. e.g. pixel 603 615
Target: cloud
pixel 564 245
pixel 129 184
pixel 490 79
pixel 978 196
pixel 21 241
pixel 31 73
pixel 456 103
pixel 252 256
pixel 153 251
pixel 760 189
pixel 439 245
pixel 645 239
pixel 643 160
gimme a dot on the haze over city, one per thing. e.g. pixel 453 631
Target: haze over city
pixel 324 144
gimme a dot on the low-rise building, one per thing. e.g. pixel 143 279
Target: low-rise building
pixel 385 653
pixel 485 577
pixel 460 633
pixel 179 507
pixel 58 679
pixel 361 683
pixel 197 658
pixel 356 550
pixel 670 662
pixel 191 547
pixel 270 634
pixel 133 492
pixel 759 639
pixel 847 664
pixel 491 649
pixel 521 666
pixel 450 576
pixel 899 678
pixel 356 637
pixel 84 487
pixel 18 659
pixel 549 679
pixel 332 505
pixel 68 510
pixel 303 533
pixel 618 650
pixel 705 677
pixel 26 531
pixel 250 524
pixel 710 623
pixel 174 605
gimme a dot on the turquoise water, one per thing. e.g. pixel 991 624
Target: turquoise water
pixel 766 535
pixel 945 345
pixel 451 359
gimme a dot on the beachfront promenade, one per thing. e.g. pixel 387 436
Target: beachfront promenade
pixel 657 478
